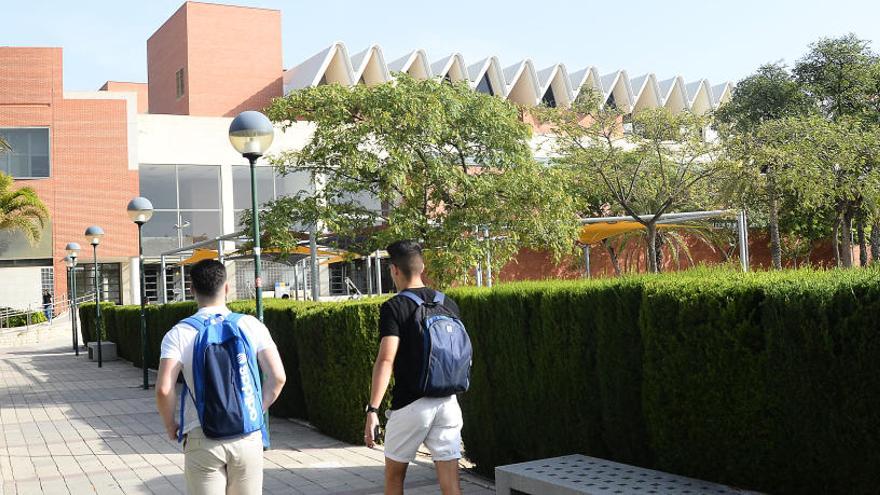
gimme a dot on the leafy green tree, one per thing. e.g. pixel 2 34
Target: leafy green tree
pixel 662 165
pixel 419 159
pixel 21 210
pixel 769 94
pixel 841 73
pixel 834 167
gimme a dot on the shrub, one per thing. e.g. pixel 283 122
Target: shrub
pixel 20 320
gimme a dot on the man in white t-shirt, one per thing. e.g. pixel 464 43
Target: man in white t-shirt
pixel 231 465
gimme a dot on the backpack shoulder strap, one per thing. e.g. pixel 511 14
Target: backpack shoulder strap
pixel 439 297
pixel 411 296
pixel 195 322
pixel 233 318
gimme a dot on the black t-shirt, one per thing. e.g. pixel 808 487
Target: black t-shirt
pixel 397 318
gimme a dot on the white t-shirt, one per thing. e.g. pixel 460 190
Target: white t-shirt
pixel 178 345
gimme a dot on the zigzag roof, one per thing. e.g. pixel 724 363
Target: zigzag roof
pixel 519 82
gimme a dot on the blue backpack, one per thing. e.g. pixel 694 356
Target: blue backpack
pixel 447 352
pixel 226 380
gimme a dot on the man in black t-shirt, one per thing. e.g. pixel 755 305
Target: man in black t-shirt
pixel 413 419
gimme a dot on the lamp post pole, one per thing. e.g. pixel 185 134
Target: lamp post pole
pixel 94 234
pixel 251 133
pixel 72 249
pixel 140 210
pixel 97 306
pixel 143 304
pixel 258 280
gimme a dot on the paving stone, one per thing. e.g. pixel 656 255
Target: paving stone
pixel 67 426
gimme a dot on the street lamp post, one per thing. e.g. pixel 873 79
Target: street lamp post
pixel 140 210
pixel 251 134
pixel 94 234
pixel 72 249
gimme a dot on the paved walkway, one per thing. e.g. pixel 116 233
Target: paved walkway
pixel 70 427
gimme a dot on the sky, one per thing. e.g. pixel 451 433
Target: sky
pixel 721 41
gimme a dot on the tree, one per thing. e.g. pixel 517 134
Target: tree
pixel 769 94
pixel 835 167
pixel 841 74
pixel 21 210
pixel 663 165
pixel 419 159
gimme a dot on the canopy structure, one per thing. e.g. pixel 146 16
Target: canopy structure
pixel 595 230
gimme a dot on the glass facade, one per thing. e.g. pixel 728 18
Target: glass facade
pixel 109 281
pixel 29 157
pixel 270 186
pixel 187 205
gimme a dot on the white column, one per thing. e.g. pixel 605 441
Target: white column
pixel 135 279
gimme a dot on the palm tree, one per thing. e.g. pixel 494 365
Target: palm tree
pixel 22 210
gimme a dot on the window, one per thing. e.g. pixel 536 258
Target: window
pixel 186 199
pixel 29 157
pixel 47 280
pixel 179 81
pixel 108 281
pixel 549 98
pixel 269 187
pixel 485 86
pixel 610 102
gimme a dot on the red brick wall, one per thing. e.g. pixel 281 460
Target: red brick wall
pixel 90 181
pixel 232 57
pixel 166 54
pixel 141 89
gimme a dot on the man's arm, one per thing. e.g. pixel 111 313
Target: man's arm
pixel 270 363
pixel 165 400
pixel 382 369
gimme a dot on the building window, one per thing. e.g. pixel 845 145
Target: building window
pixel 29 157
pixel 269 187
pixel 485 86
pixel 186 199
pixel 611 103
pixel 549 99
pixel 179 83
pixel 108 281
pixel 47 280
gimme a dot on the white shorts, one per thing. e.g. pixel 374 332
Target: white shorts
pixel 434 421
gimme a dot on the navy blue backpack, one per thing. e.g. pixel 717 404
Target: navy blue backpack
pixel 226 379
pixel 447 353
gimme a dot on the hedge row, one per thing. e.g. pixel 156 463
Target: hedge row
pixel 20 319
pixel 764 381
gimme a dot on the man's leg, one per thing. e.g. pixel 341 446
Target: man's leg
pixel 447 474
pixel 204 465
pixel 244 470
pixel 395 475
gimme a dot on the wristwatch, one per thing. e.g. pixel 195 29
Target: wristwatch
pixel 370 409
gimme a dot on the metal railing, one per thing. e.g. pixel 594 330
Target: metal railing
pixel 58 308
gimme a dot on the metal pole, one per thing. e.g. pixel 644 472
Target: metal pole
pixel 587 261
pixel 313 254
pixel 220 251
pixel 488 257
pixel 163 297
pixel 258 281
pixel 182 267
pixel 97 307
pixel 74 314
pixel 378 274
pixel 143 304
pixel 743 235
pixel 369 274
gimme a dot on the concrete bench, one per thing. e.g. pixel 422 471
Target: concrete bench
pixel 579 474
pixel 108 351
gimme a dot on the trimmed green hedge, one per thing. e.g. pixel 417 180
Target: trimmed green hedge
pixel 765 381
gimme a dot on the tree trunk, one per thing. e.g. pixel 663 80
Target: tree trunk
pixel 835 240
pixel 863 243
pixel 875 241
pixel 775 244
pixel 652 247
pixel 612 254
pixel 846 257
pixel 659 244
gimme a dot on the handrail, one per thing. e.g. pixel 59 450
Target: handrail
pixel 7 313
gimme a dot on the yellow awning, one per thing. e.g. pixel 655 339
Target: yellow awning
pixel 199 255
pixel 597 232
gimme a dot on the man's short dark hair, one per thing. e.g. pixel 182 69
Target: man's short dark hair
pixel 406 255
pixel 208 277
